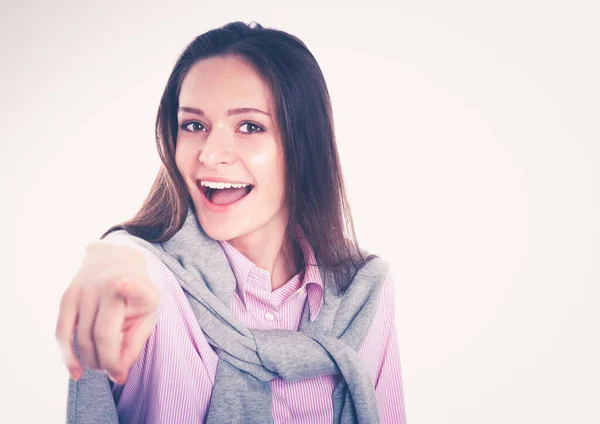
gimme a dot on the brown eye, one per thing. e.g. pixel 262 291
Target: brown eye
pixel 251 128
pixel 193 126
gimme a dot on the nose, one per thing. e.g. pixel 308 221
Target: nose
pixel 217 149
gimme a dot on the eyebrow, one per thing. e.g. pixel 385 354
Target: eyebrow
pixel 230 112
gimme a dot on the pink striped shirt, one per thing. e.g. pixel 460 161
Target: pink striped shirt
pixel 172 380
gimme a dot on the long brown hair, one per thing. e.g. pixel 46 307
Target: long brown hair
pixel 315 190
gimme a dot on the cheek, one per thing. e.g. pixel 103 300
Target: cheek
pixel 265 164
pixel 268 168
pixel 262 160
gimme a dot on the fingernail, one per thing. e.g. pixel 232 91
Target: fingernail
pixel 74 374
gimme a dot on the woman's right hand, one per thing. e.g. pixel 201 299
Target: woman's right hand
pixel 111 304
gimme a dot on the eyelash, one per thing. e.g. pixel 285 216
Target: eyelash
pixel 185 124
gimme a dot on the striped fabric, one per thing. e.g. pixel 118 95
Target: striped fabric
pixel 172 380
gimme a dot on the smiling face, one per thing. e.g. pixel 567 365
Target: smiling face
pixel 229 151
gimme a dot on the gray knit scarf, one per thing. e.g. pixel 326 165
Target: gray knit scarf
pixel 250 359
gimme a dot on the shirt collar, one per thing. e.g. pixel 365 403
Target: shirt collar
pixel 312 276
pixel 311 282
pixel 242 267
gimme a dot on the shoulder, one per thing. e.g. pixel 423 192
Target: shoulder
pixel 365 291
pixel 371 276
pixel 378 271
pixel 374 267
pixel 122 238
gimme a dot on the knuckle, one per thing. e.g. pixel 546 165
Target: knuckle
pixel 114 283
pixel 61 332
pixel 85 343
pixel 69 295
pixel 113 368
pixel 101 335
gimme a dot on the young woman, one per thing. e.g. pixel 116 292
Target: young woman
pixel 238 292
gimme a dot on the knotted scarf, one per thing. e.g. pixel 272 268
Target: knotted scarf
pixel 249 359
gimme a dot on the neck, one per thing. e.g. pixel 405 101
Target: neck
pixel 274 251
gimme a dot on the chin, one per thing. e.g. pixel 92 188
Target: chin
pixel 220 231
pixel 219 234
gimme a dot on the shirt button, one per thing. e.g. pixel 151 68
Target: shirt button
pixel 269 316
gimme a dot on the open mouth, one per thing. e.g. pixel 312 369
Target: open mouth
pixel 224 193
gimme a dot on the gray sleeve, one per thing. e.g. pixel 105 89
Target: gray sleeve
pixel 90 399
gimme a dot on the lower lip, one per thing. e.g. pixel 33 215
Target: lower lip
pixel 213 207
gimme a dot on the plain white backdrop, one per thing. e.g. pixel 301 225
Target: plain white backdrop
pixel 469 139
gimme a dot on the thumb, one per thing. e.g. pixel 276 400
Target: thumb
pixel 134 342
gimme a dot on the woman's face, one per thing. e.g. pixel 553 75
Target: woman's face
pixel 228 150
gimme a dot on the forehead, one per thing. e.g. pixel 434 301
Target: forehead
pixel 223 83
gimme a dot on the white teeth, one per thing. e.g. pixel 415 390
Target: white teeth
pixel 214 185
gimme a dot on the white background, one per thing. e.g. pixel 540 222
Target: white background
pixel 469 138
